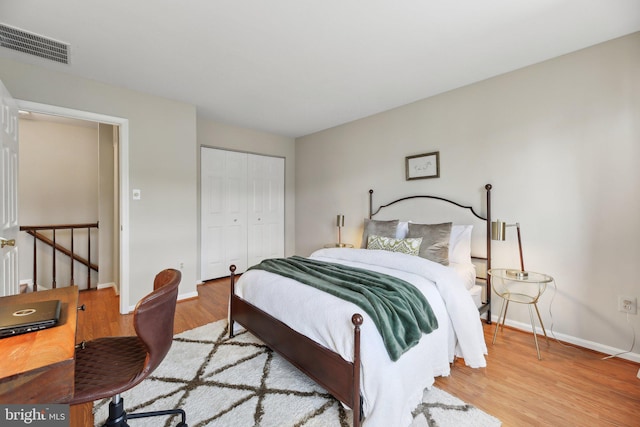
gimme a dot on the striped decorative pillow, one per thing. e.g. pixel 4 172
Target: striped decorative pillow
pixel 409 246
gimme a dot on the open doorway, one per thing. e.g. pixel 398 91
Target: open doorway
pixel 67 178
pixel 111 206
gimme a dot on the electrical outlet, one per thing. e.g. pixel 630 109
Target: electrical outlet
pixel 181 265
pixel 627 304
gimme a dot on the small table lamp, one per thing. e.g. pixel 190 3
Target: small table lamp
pixel 498 232
pixel 340 224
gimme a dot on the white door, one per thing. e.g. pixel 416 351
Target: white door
pixel 266 208
pixel 9 197
pixel 223 202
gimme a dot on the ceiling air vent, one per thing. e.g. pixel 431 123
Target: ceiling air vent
pixel 33 44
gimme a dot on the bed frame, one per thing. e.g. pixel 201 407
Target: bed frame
pixel 467 214
pixel 336 375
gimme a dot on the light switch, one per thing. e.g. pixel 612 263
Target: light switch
pixel 136 194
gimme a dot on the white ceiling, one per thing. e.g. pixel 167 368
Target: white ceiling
pixel 294 67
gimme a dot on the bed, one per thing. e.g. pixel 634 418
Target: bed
pixel 336 344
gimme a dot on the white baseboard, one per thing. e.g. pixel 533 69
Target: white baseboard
pixel 180 297
pixel 193 294
pixel 29 283
pixel 109 285
pixel 601 348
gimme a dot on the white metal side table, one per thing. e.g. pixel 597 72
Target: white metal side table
pixel 522 287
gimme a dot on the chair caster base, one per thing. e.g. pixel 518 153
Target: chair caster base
pixel 118 416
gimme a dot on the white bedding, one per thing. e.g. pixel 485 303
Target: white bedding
pixel 476 294
pixel 390 390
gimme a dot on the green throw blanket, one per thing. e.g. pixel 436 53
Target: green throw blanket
pixel 399 310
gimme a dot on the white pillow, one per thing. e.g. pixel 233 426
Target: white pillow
pixel 402 230
pixel 460 244
pixel 467 272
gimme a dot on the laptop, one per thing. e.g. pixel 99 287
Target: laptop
pixel 28 317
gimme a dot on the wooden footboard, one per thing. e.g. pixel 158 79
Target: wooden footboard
pixel 338 376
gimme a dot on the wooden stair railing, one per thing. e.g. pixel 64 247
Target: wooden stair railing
pixel 33 231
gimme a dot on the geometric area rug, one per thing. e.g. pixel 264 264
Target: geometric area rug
pixel 241 382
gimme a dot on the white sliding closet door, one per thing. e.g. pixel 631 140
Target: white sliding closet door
pixel 266 208
pixel 224 212
pixel 242 210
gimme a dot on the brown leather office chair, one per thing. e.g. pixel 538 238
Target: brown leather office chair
pixel 106 367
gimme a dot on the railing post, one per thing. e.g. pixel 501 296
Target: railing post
pixel 88 258
pixel 35 265
pixel 71 258
pixel 53 248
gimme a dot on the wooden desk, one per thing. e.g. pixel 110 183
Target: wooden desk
pixel 38 367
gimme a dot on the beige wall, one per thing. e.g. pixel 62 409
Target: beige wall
pixel 217 135
pixel 559 141
pixel 54 187
pixel 163 227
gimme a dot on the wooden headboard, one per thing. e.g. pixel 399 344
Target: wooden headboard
pixel 430 209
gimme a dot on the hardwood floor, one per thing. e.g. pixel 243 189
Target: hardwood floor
pixel 569 387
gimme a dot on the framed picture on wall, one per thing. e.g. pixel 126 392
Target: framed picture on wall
pixel 422 166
